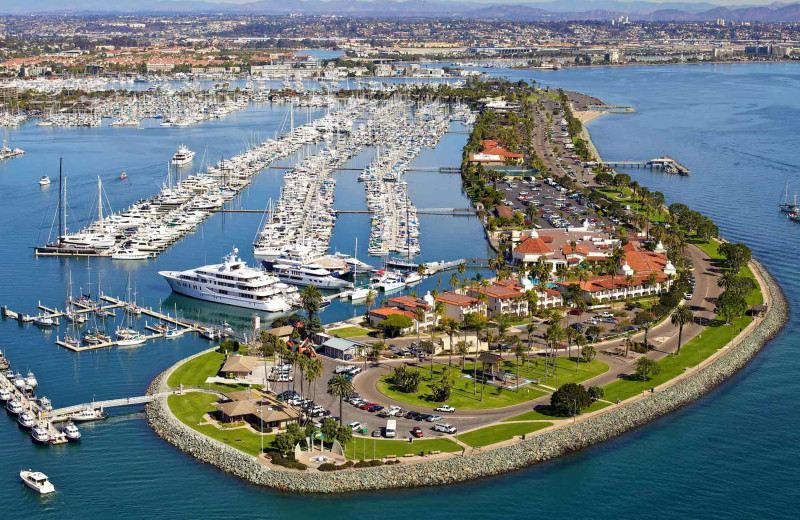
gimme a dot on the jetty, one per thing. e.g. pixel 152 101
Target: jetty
pixel 666 163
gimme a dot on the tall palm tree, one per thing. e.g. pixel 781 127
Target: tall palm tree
pixel 310 299
pixel 571 335
pixel 580 341
pixel 340 387
pixel 453 282
pixel 313 372
pixel 419 317
pixel 681 316
pixel 519 351
pixel 368 301
pixel 438 310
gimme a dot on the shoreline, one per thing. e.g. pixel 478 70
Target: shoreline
pixel 504 457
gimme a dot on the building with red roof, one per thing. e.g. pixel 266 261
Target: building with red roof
pixel 456 306
pixel 493 154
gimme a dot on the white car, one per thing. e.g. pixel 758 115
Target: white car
pixel 355 426
pixel 434 418
pixel 444 427
pixel 444 408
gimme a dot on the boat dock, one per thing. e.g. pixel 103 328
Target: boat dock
pixel 29 403
pixel 666 163
pixel 113 303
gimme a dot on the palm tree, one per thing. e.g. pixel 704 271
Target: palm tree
pixel 519 351
pixel 340 387
pixel 451 328
pixel 463 350
pixel 368 301
pixel 681 316
pixel 310 299
pixel 571 335
pixel 438 310
pixel 478 328
pixel 580 342
pixel 419 317
pixel 313 372
pixel 454 282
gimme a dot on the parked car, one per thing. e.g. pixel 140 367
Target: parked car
pixel 444 408
pixel 417 432
pixel 355 426
pixel 377 433
pixel 433 418
pixel 444 427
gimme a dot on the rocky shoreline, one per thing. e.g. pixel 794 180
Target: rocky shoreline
pixel 548 445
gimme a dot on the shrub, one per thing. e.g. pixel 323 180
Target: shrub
pixel 596 392
pixel 286 461
pixel 328 466
pixel 368 463
pixel 570 399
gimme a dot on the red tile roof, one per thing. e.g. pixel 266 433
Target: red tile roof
pixel 459 300
pixel 389 311
pixel 603 283
pixel 533 246
pixel 410 301
pixel 642 260
pixel 493 147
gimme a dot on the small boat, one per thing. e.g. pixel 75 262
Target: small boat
pixel 210 333
pixel 174 332
pixel 88 413
pixel 14 407
pixel 26 420
pixel 44 404
pixel 43 321
pixel 132 341
pixel 37 481
pixel 71 432
pixel 123 176
pixel 39 434
pixel 74 317
pixel 5 395
pixel 44 181
pixel 130 254
pixel 19 381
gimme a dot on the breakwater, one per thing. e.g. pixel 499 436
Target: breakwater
pixel 548 445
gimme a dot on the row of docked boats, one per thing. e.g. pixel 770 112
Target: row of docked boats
pixel 150 226
pixel 6 152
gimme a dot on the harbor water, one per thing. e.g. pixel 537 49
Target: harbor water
pixel 728 454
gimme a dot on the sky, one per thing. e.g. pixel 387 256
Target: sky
pixel 717 2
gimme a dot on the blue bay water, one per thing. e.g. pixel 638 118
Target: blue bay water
pixel 731 454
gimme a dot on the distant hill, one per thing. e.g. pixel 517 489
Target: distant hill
pixel 528 11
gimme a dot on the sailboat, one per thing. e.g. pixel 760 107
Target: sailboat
pixel 71 314
pixel 786 207
pixel 126 335
pixel 130 306
pixel 174 330
pixel 358 292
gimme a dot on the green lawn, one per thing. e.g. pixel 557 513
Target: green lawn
pixel 369 448
pixel 564 373
pixel 543 414
pixel 193 374
pixel 499 433
pixel 191 407
pixel 462 396
pixel 350 332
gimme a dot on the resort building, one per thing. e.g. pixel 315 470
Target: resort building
pixel 570 246
pixel 503 298
pixel 376 316
pixel 456 306
pixel 493 154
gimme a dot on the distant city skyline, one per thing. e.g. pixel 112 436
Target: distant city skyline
pixel 499 2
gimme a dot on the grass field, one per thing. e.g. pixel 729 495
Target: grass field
pixel 543 415
pixel 462 396
pixel 500 432
pixel 193 374
pixel 190 408
pixel 350 332
pixel 369 448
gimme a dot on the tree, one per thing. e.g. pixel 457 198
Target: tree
pixel 329 429
pixel 368 301
pixel 394 324
pixel 344 435
pixel 730 305
pixel 588 353
pixel 570 399
pixel 736 255
pixel 310 299
pixel 644 319
pixel 596 392
pixel 646 367
pixel 313 372
pixel 681 316
pixel 463 349
pixel 441 389
pixel 340 387
pixel 519 351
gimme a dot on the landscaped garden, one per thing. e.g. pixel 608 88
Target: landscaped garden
pixel 500 432
pixel 466 394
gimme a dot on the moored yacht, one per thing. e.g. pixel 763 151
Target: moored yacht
pixel 182 156
pixel 309 275
pixel 26 420
pixel 14 407
pixel 234 283
pixel 39 434
pixel 71 432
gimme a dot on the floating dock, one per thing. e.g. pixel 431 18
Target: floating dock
pixel 666 163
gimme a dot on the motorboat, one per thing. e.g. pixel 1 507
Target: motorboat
pixel 182 156
pixel 71 432
pixel 123 176
pixel 43 320
pixel 5 395
pixel 19 381
pixel 88 413
pixel 44 181
pixel 174 332
pixel 14 407
pixel 44 404
pixel 309 275
pixel 130 254
pixel 39 434
pixel 37 481
pixel 30 380
pixel 26 420
pixel 233 282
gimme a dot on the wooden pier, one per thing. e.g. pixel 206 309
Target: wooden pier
pixel 666 163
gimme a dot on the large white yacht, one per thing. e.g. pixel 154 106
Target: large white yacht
pixel 234 283
pixel 309 275
pixel 182 156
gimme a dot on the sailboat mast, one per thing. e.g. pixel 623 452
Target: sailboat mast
pixel 100 203
pixel 60 200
